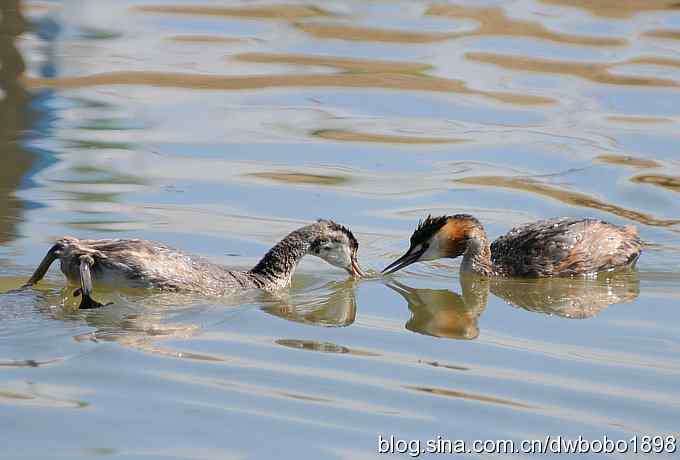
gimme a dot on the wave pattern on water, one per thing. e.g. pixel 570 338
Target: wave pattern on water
pixel 219 127
pixel 210 82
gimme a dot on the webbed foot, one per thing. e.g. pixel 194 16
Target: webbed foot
pixel 87 302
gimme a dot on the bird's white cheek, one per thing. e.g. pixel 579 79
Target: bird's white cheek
pixel 433 252
pixel 337 260
pixel 346 258
pixel 338 256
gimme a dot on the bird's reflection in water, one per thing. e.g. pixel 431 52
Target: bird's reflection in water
pixel 335 306
pixel 142 320
pixel 138 320
pixel 576 298
pixel 144 330
pixel 154 318
pixel 443 313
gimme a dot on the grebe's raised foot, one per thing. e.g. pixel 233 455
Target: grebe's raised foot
pixel 147 264
pixel 555 247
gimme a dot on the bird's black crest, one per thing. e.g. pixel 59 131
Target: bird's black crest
pixel 353 243
pixel 427 228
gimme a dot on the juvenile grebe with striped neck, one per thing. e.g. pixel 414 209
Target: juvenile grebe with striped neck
pixel 554 247
pixel 148 264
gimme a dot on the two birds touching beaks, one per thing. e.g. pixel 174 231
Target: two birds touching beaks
pixel 554 247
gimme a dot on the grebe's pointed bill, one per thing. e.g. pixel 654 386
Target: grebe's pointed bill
pixel 411 256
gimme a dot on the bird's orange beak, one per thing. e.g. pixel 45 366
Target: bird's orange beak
pixel 356 270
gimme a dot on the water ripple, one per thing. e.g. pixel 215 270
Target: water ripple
pixel 212 82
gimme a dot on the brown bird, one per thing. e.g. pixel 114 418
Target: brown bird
pixel 555 247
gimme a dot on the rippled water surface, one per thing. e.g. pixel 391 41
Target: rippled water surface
pixel 218 127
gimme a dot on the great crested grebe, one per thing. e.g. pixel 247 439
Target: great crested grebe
pixel 554 247
pixel 147 264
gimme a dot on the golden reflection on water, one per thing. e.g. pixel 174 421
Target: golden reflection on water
pixel 527 184
pixel 493 21
pixel 574 298
pixel 671 183
pixel 617 9
pixel 277 12
pixel 355 136
pixel 341 63
pixel 227 83
pixel 443 313
pixel 670 34
pixel 626 160
pixel 595 72
pixel 638 120
pixel 301 178
pixel 370 34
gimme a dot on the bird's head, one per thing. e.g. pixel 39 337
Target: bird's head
pixel 437 238
pixel 336 244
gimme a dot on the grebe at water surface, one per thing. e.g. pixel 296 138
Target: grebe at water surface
pixel 554 247
pixel 148 264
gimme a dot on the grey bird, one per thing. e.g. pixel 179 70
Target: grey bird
pixel 148 264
